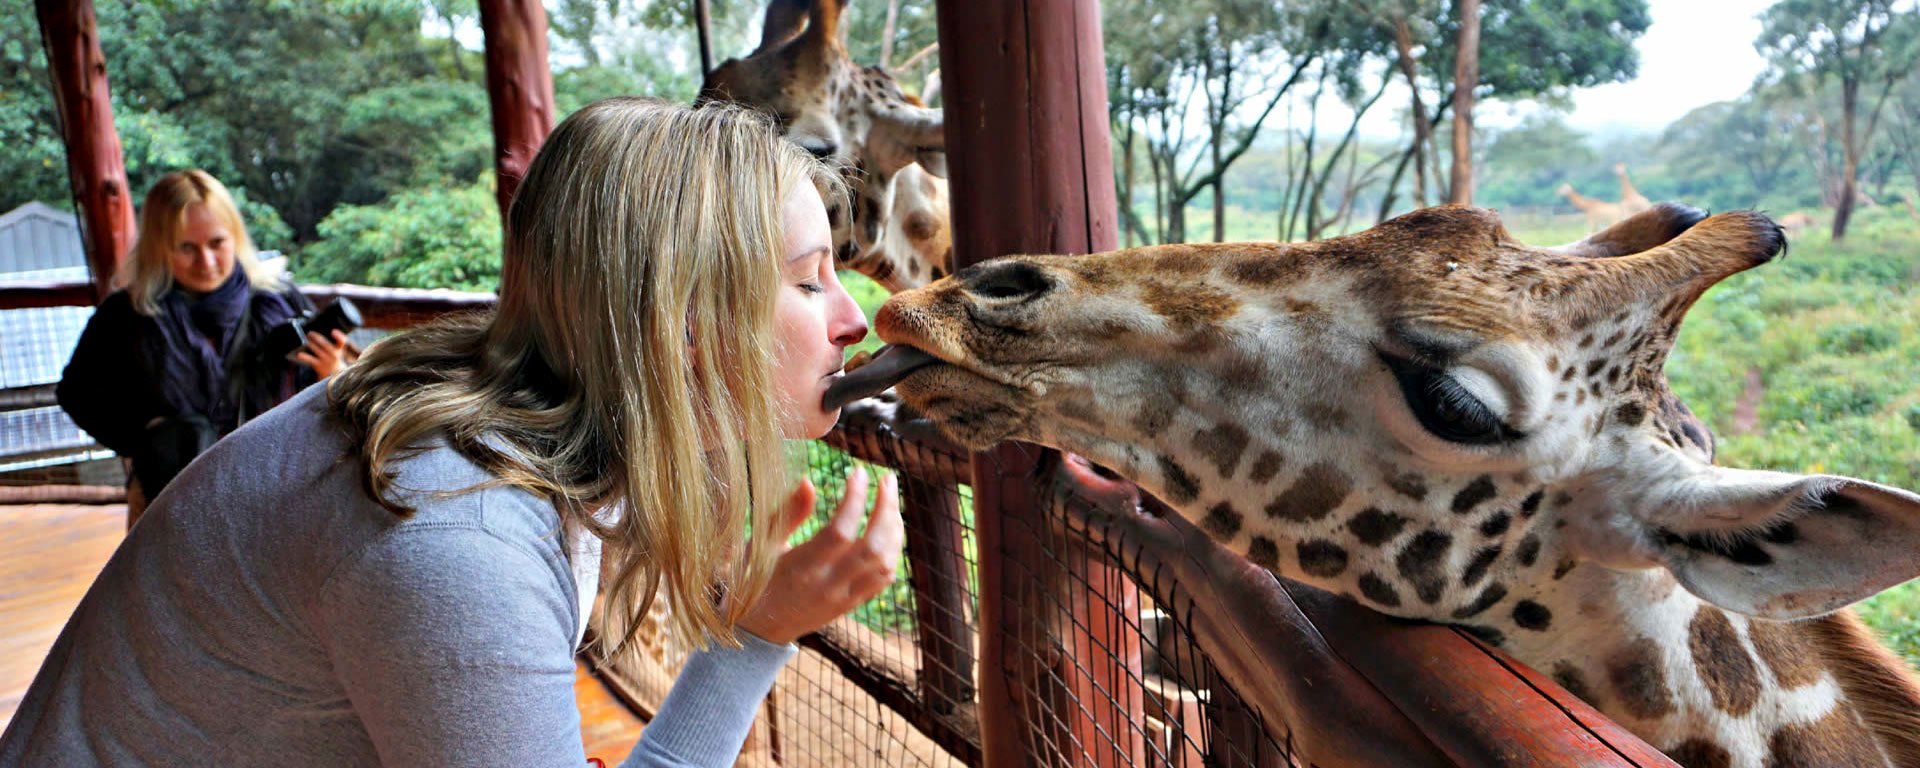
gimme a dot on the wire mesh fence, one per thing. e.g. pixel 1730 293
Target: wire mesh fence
pixel 1102 665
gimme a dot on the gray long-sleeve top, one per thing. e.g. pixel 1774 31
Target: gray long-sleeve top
pixel 266 612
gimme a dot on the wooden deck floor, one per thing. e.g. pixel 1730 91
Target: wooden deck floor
pixel 49 554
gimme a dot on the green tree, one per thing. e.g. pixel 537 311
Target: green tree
pixel 1860 44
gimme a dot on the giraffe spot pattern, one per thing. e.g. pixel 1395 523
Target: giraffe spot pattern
pixel 1834 740
pixel 1636 673
pixel 1561 569
pixel 1477 567
pixel 1489 597
pixel 1532 503
pixel 1570 678
pixel 1630 414
pixel 1420 562
pixel 1223 521
pixel 1322 558
pixel 1792 662
pixel 1265 467
pixel 1495 525
pixel 1722 663
pixel 1531 615
pixel 1153 418
pixel 1181 488
pixel 1326 418
pixel 1222 445
pixel 1264 553
pixel 1700 753
pixel 1529 551
pixel 1378 590
pixel 1314 495
pixel 1475 492
pixel 1409 485
pixel 1374 527
pixel 1489 635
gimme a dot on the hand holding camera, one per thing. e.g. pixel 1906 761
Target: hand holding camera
pixel 319 341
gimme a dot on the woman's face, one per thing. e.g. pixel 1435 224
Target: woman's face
pixel 202 256
pixel 814 319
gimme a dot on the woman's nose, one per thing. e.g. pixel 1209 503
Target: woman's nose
pixel 850 324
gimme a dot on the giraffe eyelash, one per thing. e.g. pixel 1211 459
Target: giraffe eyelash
pixel 1445 408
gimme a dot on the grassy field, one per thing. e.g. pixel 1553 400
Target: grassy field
pixel 1824 345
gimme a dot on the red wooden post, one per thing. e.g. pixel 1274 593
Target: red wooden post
pixel 519 88
pixel 95 166
pixel 1032 172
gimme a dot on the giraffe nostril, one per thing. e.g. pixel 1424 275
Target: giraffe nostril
pixel 822 151
pixel 1015 280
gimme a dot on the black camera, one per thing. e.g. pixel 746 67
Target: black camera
pixel 291 334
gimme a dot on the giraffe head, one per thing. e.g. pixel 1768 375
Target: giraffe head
pixel 892 148
pixel 1429 416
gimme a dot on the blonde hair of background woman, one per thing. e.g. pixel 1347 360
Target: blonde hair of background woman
pixel 630 358
pixel 147 276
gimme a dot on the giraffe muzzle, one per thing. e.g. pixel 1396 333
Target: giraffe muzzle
pixel 871 376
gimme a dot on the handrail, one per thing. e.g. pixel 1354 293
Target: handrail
pixel 380 307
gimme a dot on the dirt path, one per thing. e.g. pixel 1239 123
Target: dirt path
pixel 1746 410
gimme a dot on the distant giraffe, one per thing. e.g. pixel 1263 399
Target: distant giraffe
pixel 1445 424
pixel 1631 201
pixel 892 147
pixel 1600 213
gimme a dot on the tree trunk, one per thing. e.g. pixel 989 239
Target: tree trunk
pixel 703 26
pixel 1466 74
pixel 1126 183
pixel 1219 136
pixel 1422 133
pixel 886 32
pixel 519 88
pixel 1843 208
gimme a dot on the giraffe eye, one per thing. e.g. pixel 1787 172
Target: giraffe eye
pixel 1445 408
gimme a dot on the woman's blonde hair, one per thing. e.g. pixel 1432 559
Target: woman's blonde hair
pixel 629 361
pixel 148 275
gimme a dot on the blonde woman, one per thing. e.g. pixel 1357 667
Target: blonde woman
pixel 387 573
pixel 167 364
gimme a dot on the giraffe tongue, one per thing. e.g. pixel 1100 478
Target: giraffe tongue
pixel 885 369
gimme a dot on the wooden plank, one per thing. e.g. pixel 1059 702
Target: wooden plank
pixel 95 167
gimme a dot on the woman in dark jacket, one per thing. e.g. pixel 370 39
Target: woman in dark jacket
pixel 171 362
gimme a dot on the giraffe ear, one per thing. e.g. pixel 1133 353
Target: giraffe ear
pixel 1783 546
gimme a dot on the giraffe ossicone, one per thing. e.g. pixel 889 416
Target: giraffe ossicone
pixel 1445 424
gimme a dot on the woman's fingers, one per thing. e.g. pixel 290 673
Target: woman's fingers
pixel 845 525
pixel 799 507
pixel 885 529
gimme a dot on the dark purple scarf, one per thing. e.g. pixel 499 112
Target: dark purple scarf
pixel 198 330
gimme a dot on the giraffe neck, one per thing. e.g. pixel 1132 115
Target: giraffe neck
pixel 1581 201
pixel 1626 186
pixel 1713 688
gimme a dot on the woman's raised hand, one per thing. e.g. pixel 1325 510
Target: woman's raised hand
pixel 836 570
pixel 326 356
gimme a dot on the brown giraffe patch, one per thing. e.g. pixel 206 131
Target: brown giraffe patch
pixel 1078 409
pixel 1265 467
pixel 1322 558
pixel 1700 753
pixel 1187 308
pixel 1378 590
pixel 1629 414
pixel 1562 568
pixel 1153 417
pixel 1223 521
pixel 1490 596
pixel 1532 503
pixel 1222 445
pixel 1495 525
pixel 1570 678
pixel 1264 553
pixel 1477 567
pixel 1475 492
pixel 1639 675
pixel 1722 662
pixel 1834 740
pixel 1319 489
pixel 1269 269
pixel 1181 488
pixel 1531 615
pixel 1529 551
pixel 1420 563
pixel 1181 261
pixel 1326 418
pixel 1409 485
pixel 1793 663
pixel 1374 527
